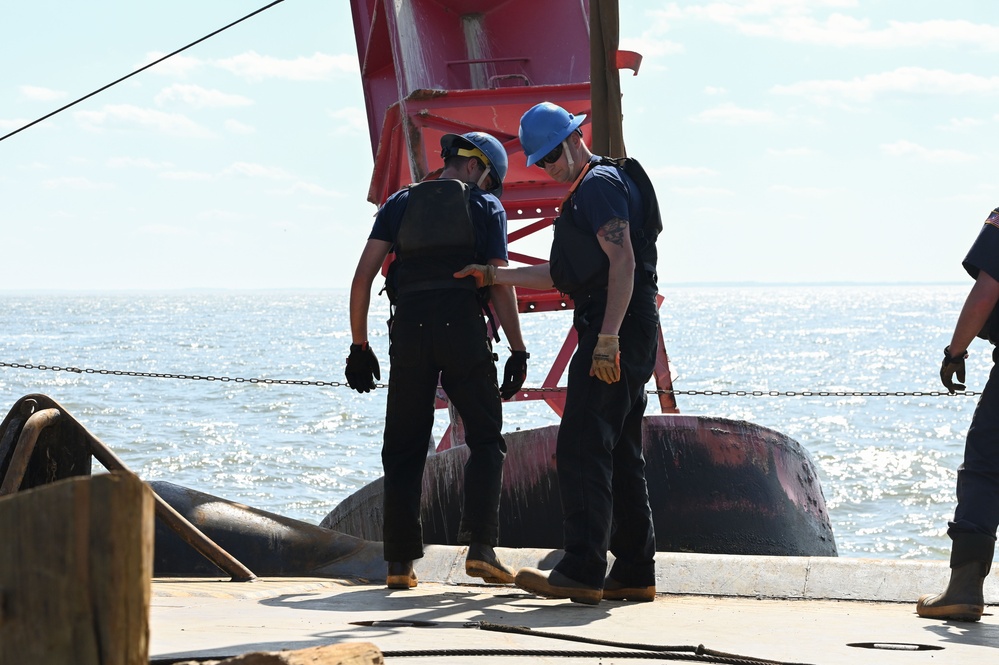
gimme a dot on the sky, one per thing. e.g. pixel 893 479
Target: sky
pixel 790 141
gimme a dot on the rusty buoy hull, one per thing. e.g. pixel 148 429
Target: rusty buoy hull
pixel 270 545
pixel 716 486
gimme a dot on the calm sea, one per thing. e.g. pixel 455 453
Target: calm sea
pixel 887 464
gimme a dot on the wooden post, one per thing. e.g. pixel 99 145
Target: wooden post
pixel 607 132
pixel 76 560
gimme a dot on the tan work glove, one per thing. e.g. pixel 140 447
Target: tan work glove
pixel 607 359
pixel 484 275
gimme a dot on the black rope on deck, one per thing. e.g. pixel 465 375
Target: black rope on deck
pixel 128 76
pixel 541 653
pixel 704 656
pixel 678 652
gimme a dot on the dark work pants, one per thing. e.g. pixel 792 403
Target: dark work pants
pixel 601 468
pixel 978 477
pixel 440 333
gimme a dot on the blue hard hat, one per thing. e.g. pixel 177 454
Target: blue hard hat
pixel 482 146
pixel 543 127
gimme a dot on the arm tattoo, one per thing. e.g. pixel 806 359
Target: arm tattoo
pixel 613 231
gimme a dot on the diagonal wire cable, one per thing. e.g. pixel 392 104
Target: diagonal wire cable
pixel 141 69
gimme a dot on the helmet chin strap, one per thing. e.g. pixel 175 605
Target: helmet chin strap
pixel 568 155
pixel 482 178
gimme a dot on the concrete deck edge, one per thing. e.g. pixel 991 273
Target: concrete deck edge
pixel 831 578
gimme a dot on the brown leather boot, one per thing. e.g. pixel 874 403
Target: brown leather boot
pixel 400 575
pixel 554 584
pixel 614 590
pixel 964 597
pixel 481 561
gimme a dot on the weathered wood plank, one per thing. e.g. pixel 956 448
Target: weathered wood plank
pixel 75 568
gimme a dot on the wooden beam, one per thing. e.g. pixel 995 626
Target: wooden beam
pixel 76 560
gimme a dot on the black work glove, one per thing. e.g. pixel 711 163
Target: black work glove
pixel 951 366
pixel 514 374
pixel 362 368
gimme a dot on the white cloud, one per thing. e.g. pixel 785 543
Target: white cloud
pixel 651 46
pixel 796 21
pixel 715 90
pixel 956 33
pixel 76 182
pixel 256 171
pixel 218 216
pixel 284 225
pixel 312 207
pixel 962 124
pixel 13 123
pixel 38 94
pixel 178 66
pixel 909 149
pixel 237 127
pixel 808 192
pixel 730 114
pixel 127 116
pixel 317 67
pixel 904 80
pixel 350 120
pixel 186 175
pixel 681 172
pixel 253 66
pixel 236 169
pixel 310 188
pixel 164 230
pixel 701 191
pixel 199 98
pixel 790 152
pixel 136 163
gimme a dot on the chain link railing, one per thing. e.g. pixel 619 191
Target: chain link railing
pixel 339 384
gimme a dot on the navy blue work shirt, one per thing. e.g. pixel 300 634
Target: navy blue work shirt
pixel 984 253
pixel 607 193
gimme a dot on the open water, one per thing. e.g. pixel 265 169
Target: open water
pixel 887 463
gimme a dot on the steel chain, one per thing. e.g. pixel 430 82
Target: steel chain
pixel 161 375
pixel 338 384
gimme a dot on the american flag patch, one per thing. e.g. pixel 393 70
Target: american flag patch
pixel 993 218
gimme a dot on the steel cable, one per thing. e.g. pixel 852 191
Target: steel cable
pixel 141 69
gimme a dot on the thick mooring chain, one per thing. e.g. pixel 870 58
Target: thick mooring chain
pixel 338 384
pixel 161 375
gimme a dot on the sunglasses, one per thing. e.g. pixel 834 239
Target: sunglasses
pixel 551 157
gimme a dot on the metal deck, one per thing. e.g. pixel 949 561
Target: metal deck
pixel 787 609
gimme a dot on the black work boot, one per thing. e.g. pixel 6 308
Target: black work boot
pixel 964 598
pixel 481 561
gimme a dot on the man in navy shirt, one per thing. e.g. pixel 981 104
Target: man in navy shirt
pixel 973 529
pixel 604 259
pixel 437 330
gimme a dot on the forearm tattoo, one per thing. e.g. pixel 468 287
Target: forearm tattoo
pixel 613 231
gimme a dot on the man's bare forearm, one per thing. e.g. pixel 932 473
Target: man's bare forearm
pixel 532 277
